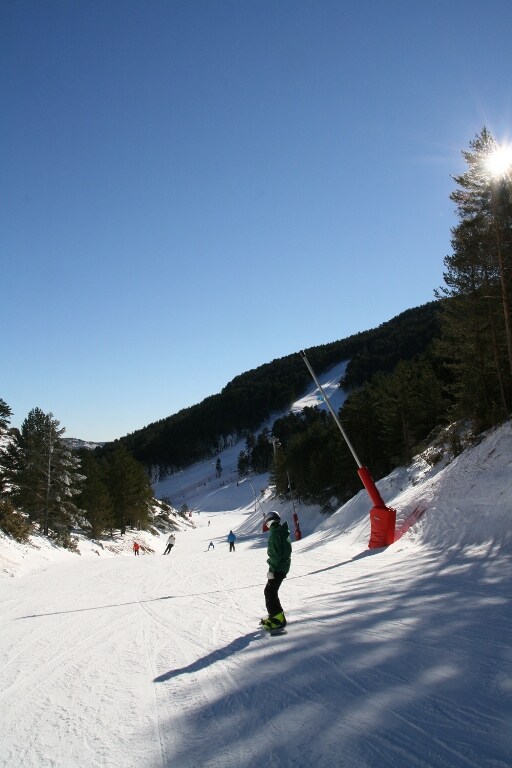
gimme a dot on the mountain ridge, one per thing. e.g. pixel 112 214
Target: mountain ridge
pixel 250 398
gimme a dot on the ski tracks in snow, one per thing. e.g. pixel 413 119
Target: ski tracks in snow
pixel 199 696
pixel 158 662
pixel 75 667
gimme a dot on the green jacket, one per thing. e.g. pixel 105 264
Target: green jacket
pixel 279 548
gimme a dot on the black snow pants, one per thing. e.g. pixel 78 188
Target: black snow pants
pixel 271 594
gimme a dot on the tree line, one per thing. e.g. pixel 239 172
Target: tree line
pixel 45 486
pixel 251 398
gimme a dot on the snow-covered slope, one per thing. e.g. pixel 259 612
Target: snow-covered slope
pixel 76 444
pixel 467 502
pixel 398 657
pixel 199 485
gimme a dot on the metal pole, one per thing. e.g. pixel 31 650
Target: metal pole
pixel 290 489
pixel 382 518
pixel 352 451
pixel 256 500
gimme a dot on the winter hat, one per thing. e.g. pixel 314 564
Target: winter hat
pixel 271 517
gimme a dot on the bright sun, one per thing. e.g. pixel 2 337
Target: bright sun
pixel 499 162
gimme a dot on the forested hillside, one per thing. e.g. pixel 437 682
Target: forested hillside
pixel 249 399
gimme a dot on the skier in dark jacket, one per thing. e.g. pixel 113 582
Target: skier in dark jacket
pixel 279 551
pixel 231 540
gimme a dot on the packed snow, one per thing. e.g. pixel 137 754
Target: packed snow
pixel 393 657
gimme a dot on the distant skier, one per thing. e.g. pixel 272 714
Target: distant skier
pixel 171 541
pixel 231 540
pixel 211 546
pixel 279 551
pixel 136 547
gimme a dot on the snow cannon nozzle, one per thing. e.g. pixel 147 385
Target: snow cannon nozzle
pixel 369 484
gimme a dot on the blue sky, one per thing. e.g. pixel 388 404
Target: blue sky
pixel 191 189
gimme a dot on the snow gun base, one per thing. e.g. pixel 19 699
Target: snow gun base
pixel 382 527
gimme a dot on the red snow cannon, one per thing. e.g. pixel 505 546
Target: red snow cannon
pixel 382 518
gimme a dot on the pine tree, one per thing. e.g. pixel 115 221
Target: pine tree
pixel 129 489
pixel 261 454
pixel 360 419
pixel 243 464
pixel 5 415
pixel 410 405
pixel 476 342
pixel 94 498
pixel 13 522
pixel 43 474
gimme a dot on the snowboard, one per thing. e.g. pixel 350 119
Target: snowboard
pixel 276 631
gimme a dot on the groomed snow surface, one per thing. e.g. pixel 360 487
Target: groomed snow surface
pixel 397 657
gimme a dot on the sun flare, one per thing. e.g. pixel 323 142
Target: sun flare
pixel 499 161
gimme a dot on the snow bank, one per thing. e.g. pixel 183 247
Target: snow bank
pixel 463 503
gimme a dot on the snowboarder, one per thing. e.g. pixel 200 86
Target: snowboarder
pixel 231 540
pixel 211 546
pixel 171 541
pixel 136 547
pixel 279 550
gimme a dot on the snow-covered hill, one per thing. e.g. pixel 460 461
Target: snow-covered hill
pixel 398 657
pixel 75 444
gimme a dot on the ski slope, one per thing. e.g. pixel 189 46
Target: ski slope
pixel 395 657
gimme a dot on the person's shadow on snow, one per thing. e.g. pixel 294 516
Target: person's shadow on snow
pixel 365 553
pixel 222 653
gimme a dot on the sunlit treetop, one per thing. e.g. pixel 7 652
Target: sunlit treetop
pixel 498 163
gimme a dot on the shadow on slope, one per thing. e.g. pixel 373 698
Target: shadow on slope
pixel 406 666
